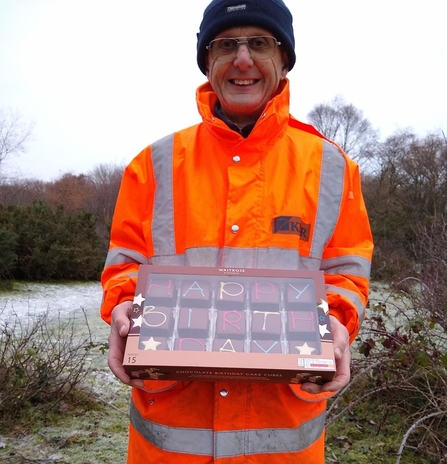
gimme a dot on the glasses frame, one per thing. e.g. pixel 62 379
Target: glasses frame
pixel 231 57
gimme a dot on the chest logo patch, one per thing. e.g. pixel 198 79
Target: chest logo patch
pixel 291 225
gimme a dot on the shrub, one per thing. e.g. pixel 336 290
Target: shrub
pixel 399 375
pixel 53 244
pixel 8 256
pixel 42 361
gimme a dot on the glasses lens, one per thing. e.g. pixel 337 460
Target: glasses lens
pixel 261 48
pixel 223 49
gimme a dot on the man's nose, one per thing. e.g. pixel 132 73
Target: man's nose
pixel 243 56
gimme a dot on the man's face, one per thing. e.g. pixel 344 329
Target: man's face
pixel 243 85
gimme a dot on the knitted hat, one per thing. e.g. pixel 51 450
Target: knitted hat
pixel 272 15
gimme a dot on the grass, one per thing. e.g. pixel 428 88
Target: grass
pixel 78 436
pixel 392 396
pixel 372 433
pixel 89 427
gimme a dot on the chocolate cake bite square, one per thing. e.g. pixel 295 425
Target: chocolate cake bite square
pixel 230 295
pixel 190 344
pixel 265 346
pixel 265 295
pixel 299 292
pixel 161 291
pixel 193 322
pixel 301 321
pixel 231 324
pixel 157 320
pixel 227 345
pixel 195 293
pixel 265 325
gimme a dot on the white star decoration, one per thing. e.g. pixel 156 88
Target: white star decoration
pixel 138 299
pixel 324 330
pixel 151 344
pixel 137 322
pixel 304 349
pixel 324 306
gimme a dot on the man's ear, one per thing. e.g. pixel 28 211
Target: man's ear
pixel 207 66
pixel 285 67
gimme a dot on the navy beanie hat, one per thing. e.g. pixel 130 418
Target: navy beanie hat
pixel 272 15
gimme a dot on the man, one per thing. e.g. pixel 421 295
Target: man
pixel 209 195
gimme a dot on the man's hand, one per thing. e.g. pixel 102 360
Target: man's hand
pixel 119 328
pixel 342 361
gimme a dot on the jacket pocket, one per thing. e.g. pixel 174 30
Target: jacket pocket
pixel 162 386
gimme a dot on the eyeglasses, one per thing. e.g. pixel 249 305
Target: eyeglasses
pixel 225 49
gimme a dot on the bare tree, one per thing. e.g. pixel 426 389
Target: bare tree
pixel 71 190
pixel 106 181
pixel 14 133
pixel 413 172
pixel 22 191
pixel 345 124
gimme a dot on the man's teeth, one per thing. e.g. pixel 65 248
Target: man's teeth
pixel 244 82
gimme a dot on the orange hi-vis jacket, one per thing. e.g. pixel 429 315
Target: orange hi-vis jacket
pixel 282 198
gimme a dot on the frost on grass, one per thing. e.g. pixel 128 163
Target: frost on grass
pixel 58 400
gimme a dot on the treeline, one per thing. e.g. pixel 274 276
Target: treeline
pixel 404 184
pixel 405 189
pixel 60 229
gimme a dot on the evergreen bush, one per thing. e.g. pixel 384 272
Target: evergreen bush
pixel 51 244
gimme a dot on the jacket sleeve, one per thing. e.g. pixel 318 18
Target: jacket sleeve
pixel 130 235
pixel 347 257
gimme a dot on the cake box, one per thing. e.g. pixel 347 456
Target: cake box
pixel 238 324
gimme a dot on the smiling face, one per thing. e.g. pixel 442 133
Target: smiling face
pixel 244 86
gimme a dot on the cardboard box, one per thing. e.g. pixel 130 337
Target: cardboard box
pixel 211 324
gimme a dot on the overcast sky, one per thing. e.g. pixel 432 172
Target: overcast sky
pixel 102 79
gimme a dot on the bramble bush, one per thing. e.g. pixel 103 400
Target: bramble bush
pixel 399 374
pixel 43 361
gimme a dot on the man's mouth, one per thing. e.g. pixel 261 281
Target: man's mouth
pixel 243 81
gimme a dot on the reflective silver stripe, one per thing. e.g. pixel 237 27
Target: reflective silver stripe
pixel 330 195
pixel 163 224
pixel 174 439
pixel 124 256
pixel 350 264
pixel 269 441
pixel 352 296
pixel 200 256
pixel 266 258
pixel 231 443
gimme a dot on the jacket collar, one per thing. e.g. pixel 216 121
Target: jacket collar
pixel 272 122
pixel 245 131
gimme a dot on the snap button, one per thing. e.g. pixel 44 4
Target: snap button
pixel 223 393
pixel 236 159
pixel 235 229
